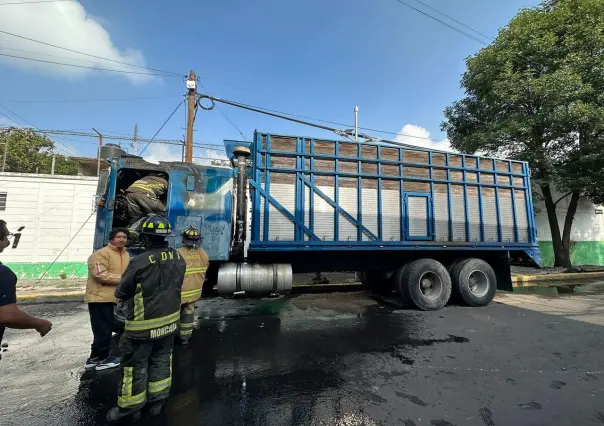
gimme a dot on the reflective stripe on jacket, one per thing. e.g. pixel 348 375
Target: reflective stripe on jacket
pixel 150 289
pixel 155 186
pixel 197 264
pixel 105 269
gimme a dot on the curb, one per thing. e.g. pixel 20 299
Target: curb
pixel 32 299
pixel 527 280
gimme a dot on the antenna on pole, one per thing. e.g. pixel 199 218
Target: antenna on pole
pixel 356 123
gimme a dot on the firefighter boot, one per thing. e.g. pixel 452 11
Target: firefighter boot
pixel 156 408
pixel 115 415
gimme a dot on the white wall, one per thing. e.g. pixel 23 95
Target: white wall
pixel 52 209
pixel 587 225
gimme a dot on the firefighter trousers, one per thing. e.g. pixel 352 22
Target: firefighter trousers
pixel 140 204
pixel 187 320
pixel 146 372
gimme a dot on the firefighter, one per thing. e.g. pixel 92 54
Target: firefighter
pixel 150 291
pixel 144 197
pixel 197 263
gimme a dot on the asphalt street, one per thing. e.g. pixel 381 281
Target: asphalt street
pixel 334 360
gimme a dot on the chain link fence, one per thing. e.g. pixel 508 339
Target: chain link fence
pixel 61 152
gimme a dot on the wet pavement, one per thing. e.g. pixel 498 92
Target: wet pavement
pixel 334 360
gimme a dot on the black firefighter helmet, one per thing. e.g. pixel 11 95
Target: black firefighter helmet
pixel 155 225
pixel 191 237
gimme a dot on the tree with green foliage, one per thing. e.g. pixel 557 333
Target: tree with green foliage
pixel 25 151
pixel 536 94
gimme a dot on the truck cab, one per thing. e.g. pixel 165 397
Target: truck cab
pixel 197 195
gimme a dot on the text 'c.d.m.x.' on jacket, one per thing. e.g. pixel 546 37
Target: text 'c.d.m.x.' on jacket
pixel 151 289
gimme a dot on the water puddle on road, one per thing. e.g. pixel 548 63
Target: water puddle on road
pixel 563 288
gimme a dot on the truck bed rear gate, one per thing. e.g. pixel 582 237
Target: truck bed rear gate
pixel 340 195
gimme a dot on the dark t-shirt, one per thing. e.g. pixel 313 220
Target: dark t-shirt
pixel 8 290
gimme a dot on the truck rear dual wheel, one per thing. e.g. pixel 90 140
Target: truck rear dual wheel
pixel 474 282
pixel 425 284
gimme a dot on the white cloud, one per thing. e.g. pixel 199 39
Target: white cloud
pixel 65 24
pixel 418 136
pixel 162 152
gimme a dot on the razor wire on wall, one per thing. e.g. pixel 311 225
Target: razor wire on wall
pixel 63 152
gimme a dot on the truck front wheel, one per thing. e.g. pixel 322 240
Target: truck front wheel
pixel 474 282
pixel 425 283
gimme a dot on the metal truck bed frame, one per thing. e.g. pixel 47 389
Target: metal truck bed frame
pixel 316 194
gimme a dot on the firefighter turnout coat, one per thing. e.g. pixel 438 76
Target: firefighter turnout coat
pixel 150 289
pixel 155 186
pixel 197 263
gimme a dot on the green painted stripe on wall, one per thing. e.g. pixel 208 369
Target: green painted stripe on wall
pixel 581 253
pixel 60 270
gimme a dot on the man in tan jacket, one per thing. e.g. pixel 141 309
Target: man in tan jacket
pixel 197 264
pixel 105 269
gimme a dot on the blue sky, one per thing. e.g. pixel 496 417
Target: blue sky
pixel 314 58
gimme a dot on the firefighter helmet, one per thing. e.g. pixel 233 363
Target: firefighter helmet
pixel 191 236
pixel 155 225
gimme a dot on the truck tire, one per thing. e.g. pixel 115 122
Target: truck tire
pixel 426 284
pixel 400 288
pixel 474 282
pixel 452 265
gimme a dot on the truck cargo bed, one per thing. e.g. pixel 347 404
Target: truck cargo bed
pixel 312 194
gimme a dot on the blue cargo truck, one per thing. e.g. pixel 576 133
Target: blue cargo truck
pixel 429 224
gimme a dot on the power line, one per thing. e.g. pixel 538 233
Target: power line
pixel 88 100
pixel 36 2
pixel 162 126
pixel 17 115
pixel 225 116
pixel 80 66
pixel 306 123
pixel 454 20
pixel 64 248
pixel 527 61
pixel 88 54
pixel 33 52
pixel 68 149
pixel 336 123
pixel 470 36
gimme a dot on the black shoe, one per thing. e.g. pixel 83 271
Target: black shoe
pixel 184 342
pixel 109 362
pixel 156 408
pixel 91 363
pixel 115 415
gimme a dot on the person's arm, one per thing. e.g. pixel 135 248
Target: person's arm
pixel 98 266
pixel 127 285
pixel 13 317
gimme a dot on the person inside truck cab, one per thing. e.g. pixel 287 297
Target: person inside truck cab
pixel 145 196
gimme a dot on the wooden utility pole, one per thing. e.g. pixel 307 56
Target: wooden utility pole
pixel 192 88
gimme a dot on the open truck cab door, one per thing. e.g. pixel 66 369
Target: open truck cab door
pixel 201 196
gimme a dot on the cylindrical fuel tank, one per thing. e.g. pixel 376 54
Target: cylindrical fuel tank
pixel 254 279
